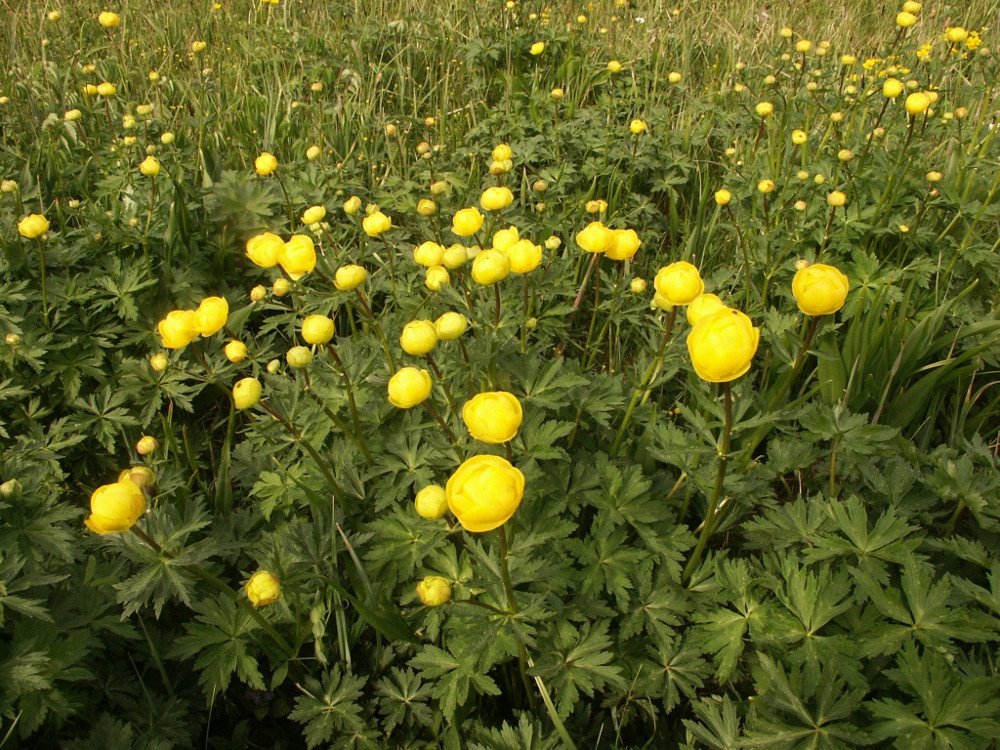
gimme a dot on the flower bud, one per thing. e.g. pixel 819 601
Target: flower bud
pixel 426 207
pixel 263 588
pixel 493 417
pixel 236 351
pixel 376 223
pixel 409 387
pixel 637 286
pixel 108 20
pixel 467 222
pixel 258 293
pixel 679 283
pixel 496 198
pixel 313 214
pixel 265 164
pixel 638 127
pixel 820 289
pixel 297 257
pixel 722 197
pixel 434 591
pixel 313 152
pixel 431 502
pixel 349 277
pixel 264 249
pixel 246 393
pixel 211 315
pixel 150 166
pixel 437 276
pixel 451 325
pixel 418 337
pixel 159 362
pixel 33 226
pixel 146 445
pixel 352 205
pixel 317 329
pixel 299 356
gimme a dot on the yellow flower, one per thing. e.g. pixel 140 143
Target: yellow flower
pixel 431 502
pixel 637 127
pixel 281 287
pixel 905 20
pixel 54 16
pixel 490 266
pixel 246 393
pixel 505 238
pixel 557 93
pixel 637 286
pixel 484 492
pixel 436 277
pixel 537 48
pixel 820 289
pixel 455 256
pixel 33 226
pixel 785 32
pixel 418 337
pixel 911 6
pixel 376 224
pixel 799 137
pixel 114 508
pixel 956 34
pixel 426 207
pixel 107 89
pixel 150 166
pixel 803 46
pixel 702 305
pixel 973 41
pixel 317 329
pixel 722 345
pixel 502 152
pixel 524 256
pixel 451 325
pixel 674 77
pixel 72 115
pixel 892 88
pixel 596 238
pixel 625 246
pixel 298 356
pixel 108 20
pixel 764 108
pixel 934 176
pixel 848 60
pixel 349 277
pixel 836 199
pixel 198 46
pixel 258 293
pixel 146 445
pixel 159 362
pixel 596 206
pixel 496 198
pixel 263 588
pixel 428 254
pixel 614 66
pixel 313 152
pixel 265 249
pixel 467 222
pixel 434 591
pixel 313 214
pixel 679 283
pixel 298 256
pixel 722 197
pixel 211 315
pixel 352 205
pixel 236 351
pixel 409 387
pixel 143 476
pixel 766 186
pixel 438 187
pixel 178 329
pixel 493 417
pixel 917 103
pixel 265 163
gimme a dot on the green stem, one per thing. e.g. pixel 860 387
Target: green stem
pixel 41 267
pixel 293 431
pixel 378 329
pixel 360 441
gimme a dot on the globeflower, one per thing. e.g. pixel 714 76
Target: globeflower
pixel 595 238
pixel 467 222
pixel 496 198
pixel 625 246
pixel 484 492
pixel 178 329
pixel 764 109
pixel 426 207
pixel 431 502
pixel 150 166
pixel 490 266
pixel 108 20
pixel 723 197
pixel 493 417
pixel 352 205
pixel 434 591
pixel 436 277
pixel 114 508
pixel 892 88
pixel 409 387
pixel 313 214
pixel 298 256
pixel 376 224
pixel 702 306
pixel 820 289
pixel 905 20
pixel 428 254
pixel 524 256
pixel 349 277
pixel 265 164
pixel 537 48
pixel 451 325
pixel 679 283
pixel 236 351
pixel 638 127
pixel 264 249
pixel 418 337
pixel 246 393
pixel 107 89
pixel 836 199
pixel 317 329
pixel 917 103
pixel 505 238
pixel 263 588
pixel 33 226
pixel 211 315
pixel 722 345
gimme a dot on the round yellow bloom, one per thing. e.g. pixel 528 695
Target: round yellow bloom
pixel 107 89
pixel 820 289
pixel 557 93
pixel 703 305
pixel 409 387
pixel 313 214
pixel 54 15
pixel 236 351
pixel 108 20
pixel 722 197
pixel 299 356
pixel 72 115
pixel 313 152
pixel 33 226
pixel 799 137
pixel 785 32
pixel 178 329
pixel 211 315
pixel 376 224
pixel 438 187
pixel 159 362
pixel 596 238
pixel 114 508
pixel 150 166
pixel 434 591
pixel 505 238
pixel 766 186
pixel 490 266
pixel 596 206
pixel 264 249
pixel 451 325
pixel 281 287
pixel 905 20
pixel 493 417
pixel 167 138
pixel 428 254
pixel 146 445
pixel 674 77
pixel 437 277
pixel 426 207
pixel 956 34
pixel 934 176
pixel 637 286
pixel 467 222
pixel 614 67
pixel 637 127
pixel 722 345
pixel 836 199
pixel 892 88
pixel 484 492
pixel 258 293
pixel 298 256
pixel 143 476
pixel 455 256
pixel 625 246
pixel 418 337
pixel 764 109
pixel 265 163
pixel 198 46
pixel 431 502
pixel 848 60
pixel 524 256
pixel 246 393
pixel 317 329
pixel 917 103
pixel 496 198
pixel 352 205
pixel 803 45
pixel 349 277
pixel 911 6
pixel 537 48
pixel 263 588
pixel 679 283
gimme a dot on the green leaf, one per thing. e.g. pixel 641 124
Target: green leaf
pixel 329 706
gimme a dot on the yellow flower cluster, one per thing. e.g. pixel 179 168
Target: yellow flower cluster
pixel 297 256
pixel 180 327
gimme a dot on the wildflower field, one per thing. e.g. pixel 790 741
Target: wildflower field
pixel 499 376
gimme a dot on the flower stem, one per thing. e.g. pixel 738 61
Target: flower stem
pixel 360 437
pixel 293 431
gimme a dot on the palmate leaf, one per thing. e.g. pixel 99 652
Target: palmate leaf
pixel 607 564
pixel 719 723
pixel 403 699
pixel 946 710
pixel 329 706
pixel 673 669
pixel 660 603
pixel 454 676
